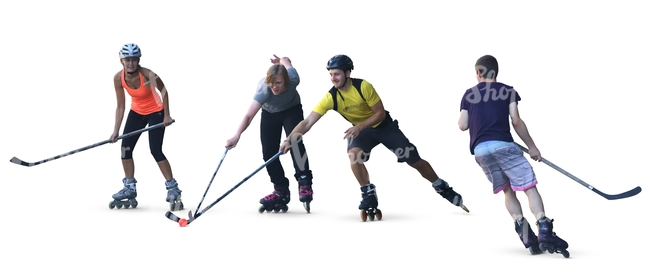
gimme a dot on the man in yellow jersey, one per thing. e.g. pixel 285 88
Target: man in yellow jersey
pixel 358 102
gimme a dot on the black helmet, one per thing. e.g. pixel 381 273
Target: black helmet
pixel 342 62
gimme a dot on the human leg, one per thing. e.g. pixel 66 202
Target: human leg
pixel 535 202
pixel 394 139
pixel 156 138
pixel 547 238
pixel 359 150
pixel 129 167
pixel 522 178
pixel 303 173
pixel 270 134
pixel 134 121
pixel 357 165
pixel 489 163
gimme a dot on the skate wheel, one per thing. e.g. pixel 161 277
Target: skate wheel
pixel 134 203
pixel 379 215
pixel 534 250
pixel 542 247
pixel 565 253
pixel 284 209
pixel 307 207
pixel 127 205
pixel 182 206
pixel 261 209
pixel 111 204
pixel 276 210
pixel 364 215
pixel 547 248
pixel 119 206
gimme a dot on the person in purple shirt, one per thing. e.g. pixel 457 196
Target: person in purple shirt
pixel 487 109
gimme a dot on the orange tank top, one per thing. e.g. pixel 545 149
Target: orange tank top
pixel 144 100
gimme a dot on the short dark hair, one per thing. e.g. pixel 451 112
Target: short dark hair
pixel 488 66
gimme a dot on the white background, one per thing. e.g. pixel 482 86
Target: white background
pixel 580 69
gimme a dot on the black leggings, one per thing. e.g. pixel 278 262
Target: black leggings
pixel 136 121
pixel 270 133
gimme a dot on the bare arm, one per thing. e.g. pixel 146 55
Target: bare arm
pixel 463 120
pixel 300 130
pixel 522 132
pixel 304 126
pixel 160 85
pixel 285 61
pixel 245 122
pixel 379 113
pixel 119 110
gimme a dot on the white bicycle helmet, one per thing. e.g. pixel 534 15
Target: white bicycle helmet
pixel 130 50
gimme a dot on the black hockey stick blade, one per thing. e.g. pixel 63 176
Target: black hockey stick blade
pixel 17 161
pixel 627 194
pixel 172 216
pixel 176 219
pixel 623 195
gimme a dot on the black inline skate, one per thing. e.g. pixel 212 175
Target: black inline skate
pixel 305 192
pixel 125 197
pixel 449 194
pixel 173 195
pixel 527 236
pixel 369 203
pixel 548 240
pixel 276 202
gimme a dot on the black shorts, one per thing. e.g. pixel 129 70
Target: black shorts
pixel 389 134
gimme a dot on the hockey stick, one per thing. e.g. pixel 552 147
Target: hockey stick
pixel 184 222
pixel 209 184
pixel 29 164
pixel 627 194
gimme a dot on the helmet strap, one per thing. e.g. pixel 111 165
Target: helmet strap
pixel 346 77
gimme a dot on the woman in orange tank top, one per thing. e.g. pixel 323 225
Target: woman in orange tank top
pixel 149 106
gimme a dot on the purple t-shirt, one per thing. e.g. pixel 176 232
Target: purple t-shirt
pixel 487 105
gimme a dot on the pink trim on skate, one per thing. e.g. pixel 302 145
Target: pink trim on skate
pixel 524 188
pixel 270 197
pixel 305 192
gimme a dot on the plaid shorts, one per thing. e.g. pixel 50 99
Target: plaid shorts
pixel 504 165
